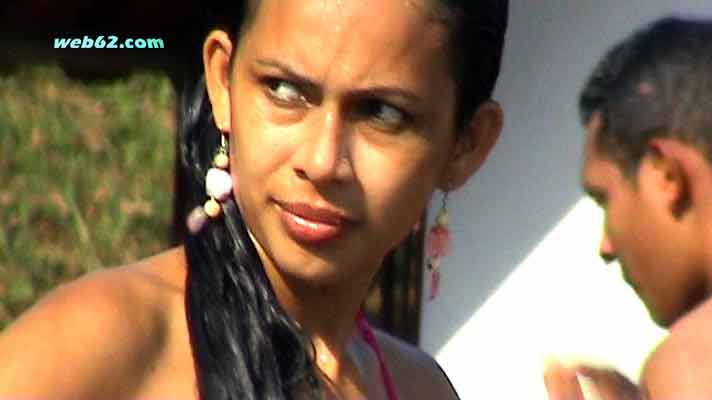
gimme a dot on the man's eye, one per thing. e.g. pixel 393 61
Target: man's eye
pixel 600 200
pixel 284 92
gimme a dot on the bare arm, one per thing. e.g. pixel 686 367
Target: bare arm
pixel 82 341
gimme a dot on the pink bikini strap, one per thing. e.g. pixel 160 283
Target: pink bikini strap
pixel 368 336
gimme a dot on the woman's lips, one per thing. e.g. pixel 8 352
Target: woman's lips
pixel 310 224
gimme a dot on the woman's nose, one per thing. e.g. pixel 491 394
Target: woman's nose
pixel 324 154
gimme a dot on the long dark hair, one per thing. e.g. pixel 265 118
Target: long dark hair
pixel 244 344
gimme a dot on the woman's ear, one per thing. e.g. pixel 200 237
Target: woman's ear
pixel 217 51
pixel 473 145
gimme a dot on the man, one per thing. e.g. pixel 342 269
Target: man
pixel 648 163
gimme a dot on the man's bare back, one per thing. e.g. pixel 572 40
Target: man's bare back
pixel 681 366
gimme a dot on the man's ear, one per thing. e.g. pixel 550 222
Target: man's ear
pixel 473 145
pixel 217 51
pixel 675 169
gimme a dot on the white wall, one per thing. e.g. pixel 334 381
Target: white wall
pixel 524 282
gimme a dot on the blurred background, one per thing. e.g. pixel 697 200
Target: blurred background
pixel 87 174
pixel 86 143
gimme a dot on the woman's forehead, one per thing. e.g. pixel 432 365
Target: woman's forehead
pixel 349 8
pixel 359 37
pixel 393 21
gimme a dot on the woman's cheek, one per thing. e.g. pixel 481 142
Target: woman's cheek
pixel 401 199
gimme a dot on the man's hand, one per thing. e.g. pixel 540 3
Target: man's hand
pixel 562 383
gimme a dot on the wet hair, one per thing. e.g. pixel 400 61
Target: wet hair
pixel 244 344
pixel 656 83
pixel 477 33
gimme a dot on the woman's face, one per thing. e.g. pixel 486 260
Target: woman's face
pixel 341 126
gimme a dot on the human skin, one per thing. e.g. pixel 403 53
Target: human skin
pixel 659 225
pixel 657 243
pixel 377 96
pixel 342 145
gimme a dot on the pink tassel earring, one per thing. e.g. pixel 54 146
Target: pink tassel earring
pixel 218 185
pixel 439 244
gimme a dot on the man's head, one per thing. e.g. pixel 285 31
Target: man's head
pixel 648 161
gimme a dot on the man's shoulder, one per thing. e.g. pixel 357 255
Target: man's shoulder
pixel 698 318
pixel 681 365
pixel 416 372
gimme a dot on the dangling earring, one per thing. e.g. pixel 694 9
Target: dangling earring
pixel 218 185
pixel 439 243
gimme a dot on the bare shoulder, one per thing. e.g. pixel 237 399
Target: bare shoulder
pixel 96 335
pixel 417 374
pixel 681 365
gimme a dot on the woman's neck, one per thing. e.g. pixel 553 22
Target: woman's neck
pixel 326 314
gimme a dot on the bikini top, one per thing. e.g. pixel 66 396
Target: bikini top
pixel 370 338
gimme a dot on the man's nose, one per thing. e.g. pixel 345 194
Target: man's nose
pixel 606 250
pixel 324 154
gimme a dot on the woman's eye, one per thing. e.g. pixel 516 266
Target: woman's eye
pixel 386 115
pixel 284 92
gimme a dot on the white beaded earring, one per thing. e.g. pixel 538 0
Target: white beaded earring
pixel 218 185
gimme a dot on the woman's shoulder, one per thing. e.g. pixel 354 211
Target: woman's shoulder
pixel 416 373
pixel 94 335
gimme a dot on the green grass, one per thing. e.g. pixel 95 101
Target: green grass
pixel 86 174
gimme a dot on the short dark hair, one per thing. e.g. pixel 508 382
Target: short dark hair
pixel 656 83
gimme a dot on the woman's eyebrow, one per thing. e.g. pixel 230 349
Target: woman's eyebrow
pixel 389 92
pixel 380 91
pixel 288 71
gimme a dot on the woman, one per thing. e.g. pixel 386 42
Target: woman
pixel 323 129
